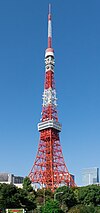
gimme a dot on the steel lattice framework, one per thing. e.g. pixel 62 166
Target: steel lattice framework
pixel 49 169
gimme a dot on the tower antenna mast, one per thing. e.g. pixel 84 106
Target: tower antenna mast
pixel 49 28
pixel 49 168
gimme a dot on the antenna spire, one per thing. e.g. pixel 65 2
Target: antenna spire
pixel 49 28
pixel 49 8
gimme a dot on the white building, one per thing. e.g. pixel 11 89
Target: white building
pixel 9 178
pixel 90 176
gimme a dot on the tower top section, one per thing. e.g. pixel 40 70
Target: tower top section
pixel 49 50
pixel 49 28
pixel 49 8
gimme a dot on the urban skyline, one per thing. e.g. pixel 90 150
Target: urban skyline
pixel 76 42
pixel 90 176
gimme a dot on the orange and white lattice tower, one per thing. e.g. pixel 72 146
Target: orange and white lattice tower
pixel 49 168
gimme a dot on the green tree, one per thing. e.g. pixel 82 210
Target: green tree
pixel 89 195
pixel 28 195
pixel 27 200
pixel 51 206
pixel 66 197
pixel 83 209
pixel 27 184
pixel 12 197
pixel 40 197
pixel 43 195
pixel 9 197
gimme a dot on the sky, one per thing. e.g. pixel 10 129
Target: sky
pixel 76 41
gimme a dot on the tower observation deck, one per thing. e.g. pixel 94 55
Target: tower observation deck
pixel 49 168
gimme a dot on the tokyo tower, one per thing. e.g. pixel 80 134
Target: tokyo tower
pixel 49 169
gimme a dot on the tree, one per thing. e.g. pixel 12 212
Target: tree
pixel 13 197
pixel 83 209
pixel 89 195
pixel 27 200
pixel 43 195
pixel 9 197
pixel 67 197
pixel 27 184
pixel 51 206
pixel 75 200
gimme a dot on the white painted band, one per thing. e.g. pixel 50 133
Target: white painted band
pixel 49 29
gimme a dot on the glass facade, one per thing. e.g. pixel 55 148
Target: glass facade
pixel 90 176
pixel 18 179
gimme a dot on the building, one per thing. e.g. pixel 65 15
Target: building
pixel 9 178
pixel 90 176
pixel 73 176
